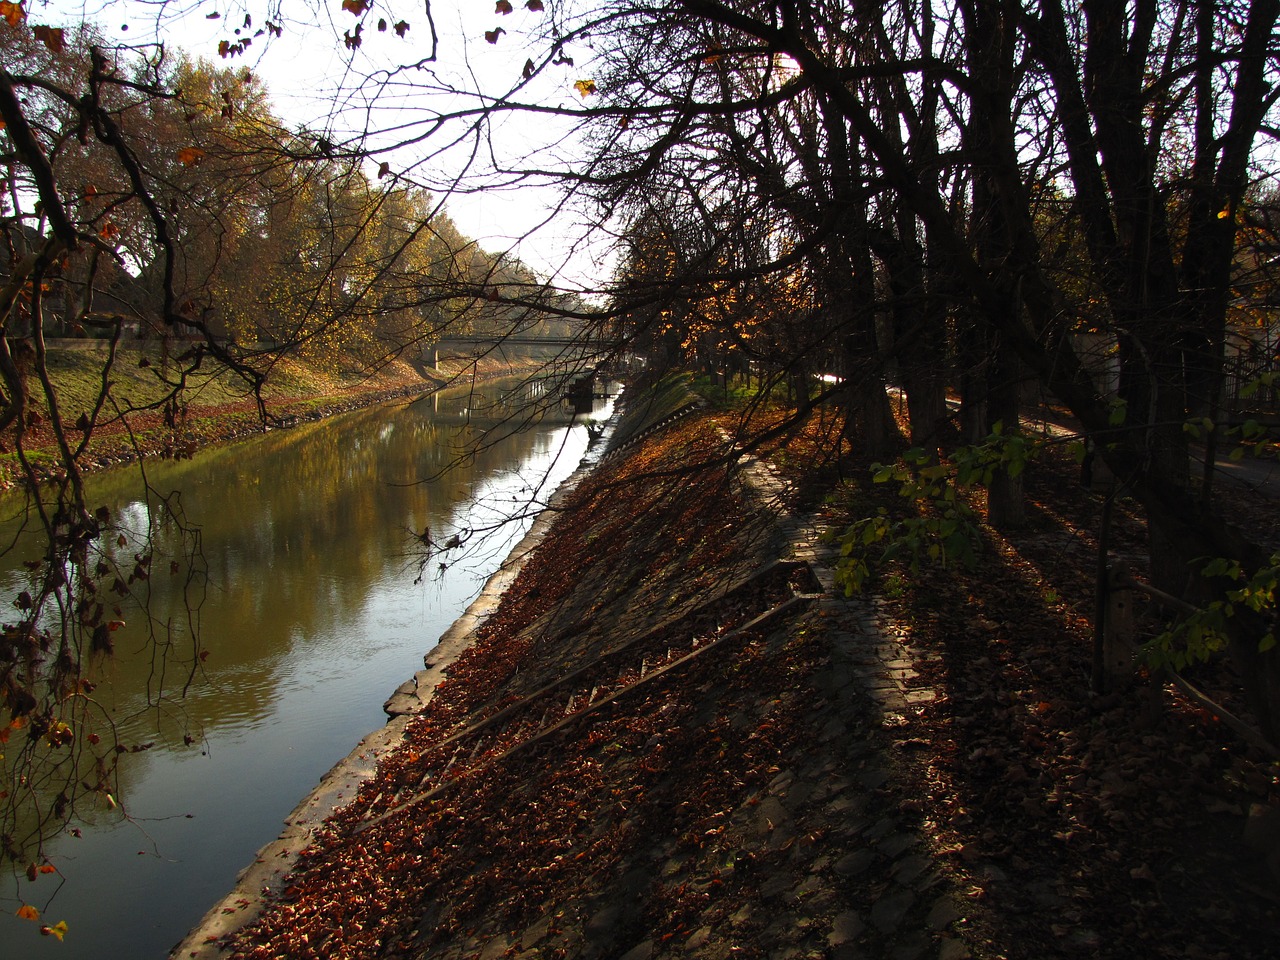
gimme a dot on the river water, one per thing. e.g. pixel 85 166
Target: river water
pixel 311 617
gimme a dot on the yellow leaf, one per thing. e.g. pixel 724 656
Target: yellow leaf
pixel 58 930
pixel 585 88
pixel 1224 213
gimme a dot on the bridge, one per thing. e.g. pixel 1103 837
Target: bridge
pixel 468 348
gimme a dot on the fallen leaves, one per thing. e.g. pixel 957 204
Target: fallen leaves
pixel 548 818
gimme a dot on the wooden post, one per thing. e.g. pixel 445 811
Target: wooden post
pixel 1113 637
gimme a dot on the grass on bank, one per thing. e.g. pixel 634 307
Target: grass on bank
pixel 219 405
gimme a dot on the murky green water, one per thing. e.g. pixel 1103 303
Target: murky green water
pixel 311 618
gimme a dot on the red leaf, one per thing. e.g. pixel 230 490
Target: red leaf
pixel 492 35
pixel 534 5
pixel 384 170
pixel 355 7
pixel 503 7
pixel 401 28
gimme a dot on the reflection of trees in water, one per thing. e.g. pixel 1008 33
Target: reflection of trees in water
pixel 298 529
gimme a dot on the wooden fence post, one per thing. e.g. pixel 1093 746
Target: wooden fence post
pixel 1113 634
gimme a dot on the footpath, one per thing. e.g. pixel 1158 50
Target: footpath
pixel 674 737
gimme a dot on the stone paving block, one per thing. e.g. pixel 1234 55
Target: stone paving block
pixel 943 913
pixel 896 844
pixel 910 868
pixel 782 782
pixel 775 886
pixel 854 863
pixel 641 951
pixel 911 945
pixel 846 928
pixel 952 949
pixel 698 938
pixel 890 700
pixel 888 912
pixel 873 777
pixel 770 815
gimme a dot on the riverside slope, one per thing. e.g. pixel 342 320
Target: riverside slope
pixel 672 738
pixel 652 747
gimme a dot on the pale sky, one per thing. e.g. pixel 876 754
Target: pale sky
pixel 314 81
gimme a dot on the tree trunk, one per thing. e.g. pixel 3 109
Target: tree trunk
pixel 1006 506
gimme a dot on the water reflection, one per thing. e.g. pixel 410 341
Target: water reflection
pixel 310 616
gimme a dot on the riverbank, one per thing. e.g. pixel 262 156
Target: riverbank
pixel 673 737
pixel 217 409
pixel 273 863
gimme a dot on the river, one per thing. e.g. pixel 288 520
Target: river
pixel 311 618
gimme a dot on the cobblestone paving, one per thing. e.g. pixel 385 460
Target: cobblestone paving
pixel 825 861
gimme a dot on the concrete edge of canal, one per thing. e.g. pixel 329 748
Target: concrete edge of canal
pixel 265 876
